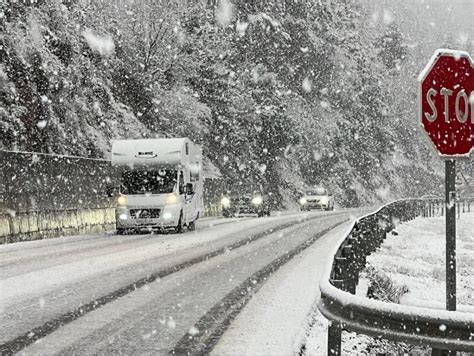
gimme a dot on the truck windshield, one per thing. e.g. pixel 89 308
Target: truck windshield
pixel 154 182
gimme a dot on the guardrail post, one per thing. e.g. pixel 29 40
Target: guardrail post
pixel 373 233
pixel 350 278
pixel 340 271
pixel 334 338
pixel 354 264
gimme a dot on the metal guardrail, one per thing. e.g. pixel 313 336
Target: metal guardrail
pixel 436 207
pixel 438 329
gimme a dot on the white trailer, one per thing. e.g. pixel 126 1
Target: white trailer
pixel 161 184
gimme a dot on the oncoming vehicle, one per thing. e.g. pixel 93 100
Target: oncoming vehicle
pixel 317 198
pixel 160 184
pixel 245 200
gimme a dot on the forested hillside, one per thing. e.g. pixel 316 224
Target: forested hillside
pixel 284 93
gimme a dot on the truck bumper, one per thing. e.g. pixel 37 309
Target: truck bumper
pixel 126 218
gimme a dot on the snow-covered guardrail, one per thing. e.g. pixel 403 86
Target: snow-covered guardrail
pixel 438 329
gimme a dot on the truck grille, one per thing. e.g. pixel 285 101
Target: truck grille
pixel 144 213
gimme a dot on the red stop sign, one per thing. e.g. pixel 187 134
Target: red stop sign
pixel 447 103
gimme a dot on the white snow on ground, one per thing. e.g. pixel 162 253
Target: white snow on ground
pixel 273 322
pixel 414 257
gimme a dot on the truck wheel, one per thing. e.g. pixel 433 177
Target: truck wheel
pixel 179 229
pixel 120 231
pixel 192 225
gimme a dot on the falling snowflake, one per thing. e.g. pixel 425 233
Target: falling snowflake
pixel 42 124
pixel 103 45
pixel 306 85
pixel 224 12
pixel 387 17
pixel 171 323
pixel 193 331
pixel 241 28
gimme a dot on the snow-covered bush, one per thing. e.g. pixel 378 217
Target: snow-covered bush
pixel 382 287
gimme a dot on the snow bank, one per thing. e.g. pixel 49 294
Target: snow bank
pixel 421 243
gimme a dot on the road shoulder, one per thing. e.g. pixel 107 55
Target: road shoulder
pixel 274 321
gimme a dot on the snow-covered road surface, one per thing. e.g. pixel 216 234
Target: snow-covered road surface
pixel 276 320
pixel 82 294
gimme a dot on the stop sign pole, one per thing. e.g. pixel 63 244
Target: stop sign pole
pixel 450 198
pixel 446 116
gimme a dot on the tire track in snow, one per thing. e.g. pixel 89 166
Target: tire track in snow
pixel 215 322
pixel 17 344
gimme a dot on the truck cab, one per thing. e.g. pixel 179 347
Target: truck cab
pixel 160 184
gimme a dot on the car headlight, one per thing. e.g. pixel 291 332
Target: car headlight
pixel 225 202
pixel 303 201
pixel 122 200
pixel 171 199
pixel 123 216
pixel 257 200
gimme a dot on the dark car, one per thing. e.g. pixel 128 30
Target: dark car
pixel 245 201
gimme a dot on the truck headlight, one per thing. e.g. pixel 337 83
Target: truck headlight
pixel 123 216
pixel 257 200
pixel 303 201
pixel 171 199
pixel 122 200
pixel 167 216
pixel 225 202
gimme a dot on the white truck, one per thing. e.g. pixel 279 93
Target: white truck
pixel 161 184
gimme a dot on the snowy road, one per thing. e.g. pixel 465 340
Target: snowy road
pixel 144 293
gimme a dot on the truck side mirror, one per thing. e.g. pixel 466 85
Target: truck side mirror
pixel 111 190
pixel 189 189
